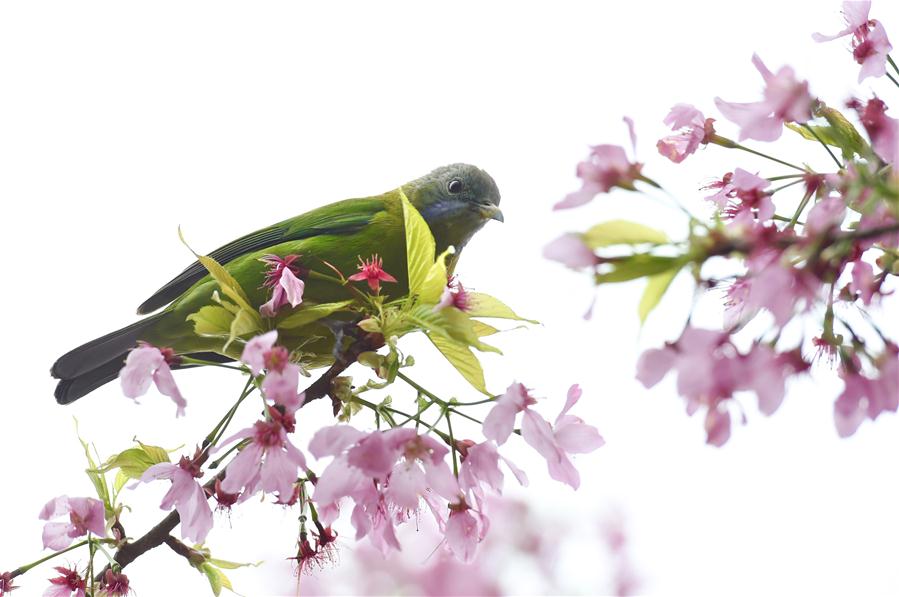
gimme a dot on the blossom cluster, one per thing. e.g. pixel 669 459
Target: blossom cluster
pixel 830 260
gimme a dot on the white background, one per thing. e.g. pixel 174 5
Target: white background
pixel 120 121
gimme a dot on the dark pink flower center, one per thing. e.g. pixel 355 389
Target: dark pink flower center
pixel 188 465
pixel 276 267
pixel 70 579
pixel 115 584
pixel 276 359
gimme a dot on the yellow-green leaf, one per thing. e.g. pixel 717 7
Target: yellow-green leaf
pixel 482 329
pixel 133 462
pixel 98 479
pixel 310 313
pixel 212 321
pixel 420 246
pixel 622 232
pixel 226 282
pixel 217 579
pixel 656 286
pixel 435 281
pixel 243 324
pixel 461 357
pixel 637 266
pixel 484 305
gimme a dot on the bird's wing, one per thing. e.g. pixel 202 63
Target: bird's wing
pixel 343 217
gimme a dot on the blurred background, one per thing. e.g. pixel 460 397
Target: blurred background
pixel 120 122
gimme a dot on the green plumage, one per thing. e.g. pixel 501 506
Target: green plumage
pixel 454 200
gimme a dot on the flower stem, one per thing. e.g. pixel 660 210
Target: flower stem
pixel 893 64
pixel 193 361
pixel 216 434
pixel 729 144
pixel 786 186
pixel 406 379
pixel 799 210
pixel 823 144
pixel 449 426
pixel 23 569
pixel 893 79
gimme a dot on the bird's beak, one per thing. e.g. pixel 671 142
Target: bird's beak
pixel 492 212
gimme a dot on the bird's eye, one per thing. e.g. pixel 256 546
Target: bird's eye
pixel 454 186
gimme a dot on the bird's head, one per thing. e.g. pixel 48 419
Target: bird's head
pixel 455 201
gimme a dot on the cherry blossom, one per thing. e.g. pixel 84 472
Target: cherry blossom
pixel 115 584
pixel 785 100
pixel 148 363
pixel 454 295
pixel 186 495
pixel 282 278
pixel 86 515
pixel 868 396
pixel 372 272
pixel 68 584
pixel 692 130
pixel 463 533
pixel 882 129
pixel 6 586
pixel 282 377
pixel 870 46
pixel 606 167
pixel 270 462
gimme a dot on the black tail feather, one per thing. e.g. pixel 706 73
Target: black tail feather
pixel 101 351
pixel 70 390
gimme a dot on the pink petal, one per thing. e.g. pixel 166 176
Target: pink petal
pixel 279 473
pixel 373 456
pixel 92 514
pixel 196 515
pixel 281 386
pixel 499 422
pixel 242 469
pixel 165 383
pixel 570 250
pixel 441 480
pixel 55 508
pixel 138 371
pixel 717 427
pixel 462 535
pixel 584 195
pixel 630 131
pixel 56 535
pixel 331 441
pixel 826 214
pixel 293 287
pixel 163 470
pixel 254 352
pixel 654 364
pixel 407 482
pixel 577 437
pixel 338 480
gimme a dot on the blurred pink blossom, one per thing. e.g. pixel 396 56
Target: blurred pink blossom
pixel 867 397
pixel 882 129
pixel 570 250
pixel 785 100
pixel 86 515
pixel 870 46
pixel 693 129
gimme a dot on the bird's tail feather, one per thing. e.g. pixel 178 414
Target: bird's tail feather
pixel 103 350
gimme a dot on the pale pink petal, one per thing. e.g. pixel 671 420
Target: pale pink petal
pixel 441 480
pixel 56 536
pixel 281 386
pixel 196 515
pixel 631 133
pixel 138 371
pixel 584 195
pixel 165 383
pixel 242 469
pixel 279 473
pixel 407 482
pixel 848 410
pixel 338 480
pixel 826 214
pixel 500 421
pixel 576 437
pixel 570 250
pixel 254 352
pixel 55 508
pixel 654 364
pixel 293 287
pixel 331 441
pixel 462 535
pixel 163 470
pixel 373 456
pixel 717 427
pixel 92 516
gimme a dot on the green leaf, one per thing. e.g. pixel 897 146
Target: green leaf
pixel 310 313
pixel 637 266
pixel 420 246
pixel 622 232
pixel 461 357
pixel 482 329
pixel 217 579
pixel 838 132
pixel 98 479
pixel 243 324
pixel 212 321
pixel 656 286
pixel 484 305
pixel 133 462
pixel 450 323
pixel 231 565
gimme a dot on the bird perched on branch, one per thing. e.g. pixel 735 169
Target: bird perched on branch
pixel 455 201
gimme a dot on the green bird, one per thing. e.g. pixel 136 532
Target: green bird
pixel 455 201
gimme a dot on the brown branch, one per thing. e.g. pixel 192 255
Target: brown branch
pixel 321 387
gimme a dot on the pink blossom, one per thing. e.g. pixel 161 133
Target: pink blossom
pixel 870 46
pixel 480 467
pixel 86 515
pixel 500 421
pixel 270 462
pixel 785 100
pixel 372 271
pixel 382 472
pixel 454 295
pixel 282 277
pixel 826 214
pixel 779 288
pixel 710 369
pixel 69 583
pixel 736 313
pixel 606 167
pixel 693 129
pixel 569 435
pixel 742 193
pixel 570 250
pixel 115 584
pixel 882 129
pixel 6 586
pixel 147 363
pixel 186 495
pixel 863 282
pixel 462 533
pixel 282 377
pixel 867 397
